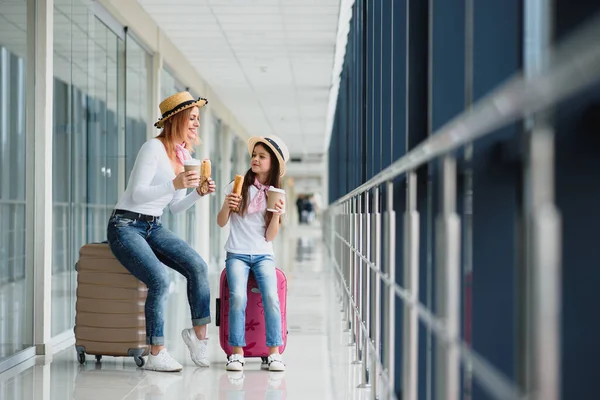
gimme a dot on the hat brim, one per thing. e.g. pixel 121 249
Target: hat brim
pixel 253 141
pixel 198 103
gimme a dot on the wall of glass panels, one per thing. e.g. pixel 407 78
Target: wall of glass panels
pixel 16 302
pixel 240 158
pixel 411 67
pixel 94 142
pixel 169 85
pixel 138 76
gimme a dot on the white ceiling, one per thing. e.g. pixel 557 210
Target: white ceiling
pixel 269 61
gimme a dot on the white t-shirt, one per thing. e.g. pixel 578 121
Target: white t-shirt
pixel 150 188
pixel 247 233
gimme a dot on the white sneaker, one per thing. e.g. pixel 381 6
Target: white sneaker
pixel 162 362
pixel 198 348
pixel 235 362
pixel 275 362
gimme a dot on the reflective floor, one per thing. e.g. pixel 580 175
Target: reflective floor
pixel 318 358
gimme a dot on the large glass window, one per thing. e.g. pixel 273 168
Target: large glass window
pixel 139 67
pixel 190 215
pixel 16 305
pixel 216 244
pixel 88 137
pixel 169 85
pixel 240 158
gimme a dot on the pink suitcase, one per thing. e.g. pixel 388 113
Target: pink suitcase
pixel 255 319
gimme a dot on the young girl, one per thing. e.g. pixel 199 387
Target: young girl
pixel 250 247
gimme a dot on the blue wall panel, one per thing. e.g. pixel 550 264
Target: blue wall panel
pixel 448 61
pixel 386 83
pixel 398 83
pixel 577 196
pixel 376 87
pixel 497 52
pixel 386 106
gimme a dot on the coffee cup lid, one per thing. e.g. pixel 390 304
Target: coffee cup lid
pixel 274 189
pixel 191 161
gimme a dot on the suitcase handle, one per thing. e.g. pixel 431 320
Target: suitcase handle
pixel 218 312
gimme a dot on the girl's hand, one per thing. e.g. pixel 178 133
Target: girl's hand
pixel 186 179
pixel 232 201
pixel 212 187
pixel 279 206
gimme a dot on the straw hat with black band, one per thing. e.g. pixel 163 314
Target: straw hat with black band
pixel 176 103
pixel 276 144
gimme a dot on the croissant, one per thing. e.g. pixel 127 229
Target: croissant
pixel 204 176
pixel 237 187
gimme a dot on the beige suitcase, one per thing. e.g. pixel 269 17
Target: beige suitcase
pixel 109 313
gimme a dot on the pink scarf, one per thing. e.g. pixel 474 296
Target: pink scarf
pixel 182 153
pixel 259 202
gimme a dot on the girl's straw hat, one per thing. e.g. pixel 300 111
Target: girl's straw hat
pixel 275 144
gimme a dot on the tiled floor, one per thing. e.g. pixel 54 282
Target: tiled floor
pixel 317 354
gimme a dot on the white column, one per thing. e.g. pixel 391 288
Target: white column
pixel 203 216
pixel 241 165
pixel 226 149
pixel 41 181
pixel 226 172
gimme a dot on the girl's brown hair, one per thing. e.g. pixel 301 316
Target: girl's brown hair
pixel 272 180
pixel 174 132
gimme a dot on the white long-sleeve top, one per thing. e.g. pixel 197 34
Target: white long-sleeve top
pixel 150 188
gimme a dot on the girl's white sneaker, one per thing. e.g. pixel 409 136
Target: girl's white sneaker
pixel 235 362
pixel 275 362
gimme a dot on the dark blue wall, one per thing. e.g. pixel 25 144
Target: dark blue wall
pixel 396 90
pixel 577 125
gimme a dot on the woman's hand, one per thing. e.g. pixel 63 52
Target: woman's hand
pixel 232 201
pixel 186 179
pixel 280 206
pixel 212 187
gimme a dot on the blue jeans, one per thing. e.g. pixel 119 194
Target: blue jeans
pixel 143 247
pixel 238 268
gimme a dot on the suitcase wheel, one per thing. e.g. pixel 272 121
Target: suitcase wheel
pixel 139 361
pixel 137 356
pixel 80 354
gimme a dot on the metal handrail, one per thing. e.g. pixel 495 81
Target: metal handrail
pixel 573 66
pixel 499 384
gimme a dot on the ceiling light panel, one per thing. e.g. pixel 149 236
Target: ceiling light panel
pixel 268 61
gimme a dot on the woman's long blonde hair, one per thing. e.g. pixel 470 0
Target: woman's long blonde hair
pixel 174 132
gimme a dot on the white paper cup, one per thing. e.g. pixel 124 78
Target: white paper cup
pixel 192 165
pixel 273 197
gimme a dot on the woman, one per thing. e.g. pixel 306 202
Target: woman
pixel 250 248
pixel 140 242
